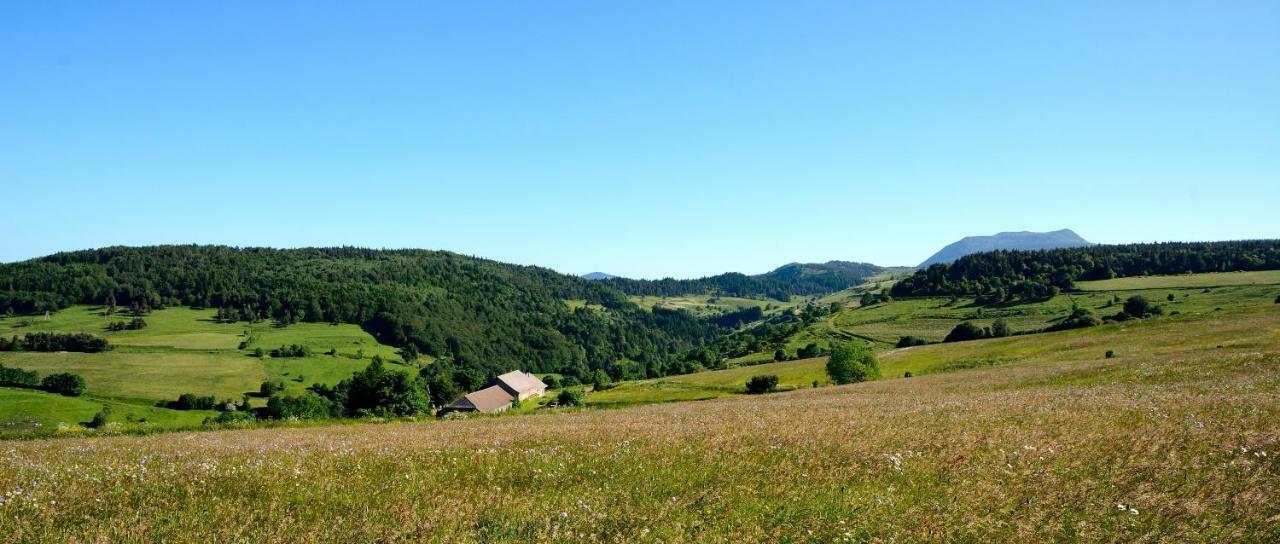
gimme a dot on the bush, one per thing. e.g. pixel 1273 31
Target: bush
pixel 192 401
pixel 810 351
pixel 906 374
pixel 293 350
pixel 17 377
pixel 1111 353
pixel 852 362
pixel 569 397
pixel 908 341
pixel 100 419
pixel 305 406
pixel 1137 306
pixel 63 383
pixel 781 354
pixel 1000 329
pixel 228 418
pixel 966 331
pixel 1277 299
pixel 56 341
pixel 1080 318
pixel 269 388
pixel 600 381
pixel 762 384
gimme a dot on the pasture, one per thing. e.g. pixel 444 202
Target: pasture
pixel 180 351
pixel 1173 440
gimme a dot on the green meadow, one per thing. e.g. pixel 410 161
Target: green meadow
pixel 181 350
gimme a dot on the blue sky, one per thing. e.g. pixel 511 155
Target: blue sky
pixel 646 139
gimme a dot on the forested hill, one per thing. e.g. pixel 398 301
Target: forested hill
pixel 483 316
pixel 1009 275
pixel 791 279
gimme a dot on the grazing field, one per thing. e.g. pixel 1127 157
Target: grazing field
pixel 1263 277
pixel 1173 440
pixel 711 304
pixel 717 383
pixel 180 351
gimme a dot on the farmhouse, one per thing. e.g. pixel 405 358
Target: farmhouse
pixel 489 400
pixel 499 396
pixel 521 385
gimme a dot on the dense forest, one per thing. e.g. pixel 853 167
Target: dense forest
pixel 476 315
pixel 780 284
pixel 1000 276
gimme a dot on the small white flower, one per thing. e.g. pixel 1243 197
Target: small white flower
pixel 1120 506
pixel 1133 511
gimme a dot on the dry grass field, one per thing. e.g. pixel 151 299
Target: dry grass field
pixel 1176 443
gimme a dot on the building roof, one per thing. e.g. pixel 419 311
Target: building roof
pixel 521 381
pixel 487 399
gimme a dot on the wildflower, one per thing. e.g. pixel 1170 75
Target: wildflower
pixel 1133 511
pixel 1120 506
pixel 564 514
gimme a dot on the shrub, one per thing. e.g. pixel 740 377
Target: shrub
pixel 810 351
pixel 100 419
pixel 56 341
pixel 1111 353
pixel 569 397
pixel 781 354
pixel 908 341
pixel 600 381
pixel 966 331
pixel 269 388
pixel 552 381
pixel 17 377
pixel 1080 318
pixel 305 406
pixel 293 350
pixel 762 384
pixel 192 401
pixel 1000 329
pixel 1277 299
pixel 63 383
pixel 852 362
pixel 1137 306
pixel 906 374
pixel 228 418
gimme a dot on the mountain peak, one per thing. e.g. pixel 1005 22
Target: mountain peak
pixel 1015 240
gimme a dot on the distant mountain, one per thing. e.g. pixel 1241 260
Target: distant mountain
pixel 598 276
pixel 1025 241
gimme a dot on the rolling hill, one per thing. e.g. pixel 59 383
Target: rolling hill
pixel 1024 240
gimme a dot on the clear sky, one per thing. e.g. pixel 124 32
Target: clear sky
pixel 644 139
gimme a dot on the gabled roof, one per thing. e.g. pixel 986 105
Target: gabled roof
pixel 486 400
pixel 521 381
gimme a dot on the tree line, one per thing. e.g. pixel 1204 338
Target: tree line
pixel 55 341
pixel 780 284
pixel 1005 276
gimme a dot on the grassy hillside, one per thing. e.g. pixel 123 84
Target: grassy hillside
pixel 180 351
pixel 931 318
pixel 1173 440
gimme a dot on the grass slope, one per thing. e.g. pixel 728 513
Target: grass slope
pixel 1175 440
pixel 180 351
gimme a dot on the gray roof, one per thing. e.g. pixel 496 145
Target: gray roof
pixel 521 381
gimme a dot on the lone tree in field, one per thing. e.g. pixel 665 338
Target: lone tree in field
pixel 851 363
